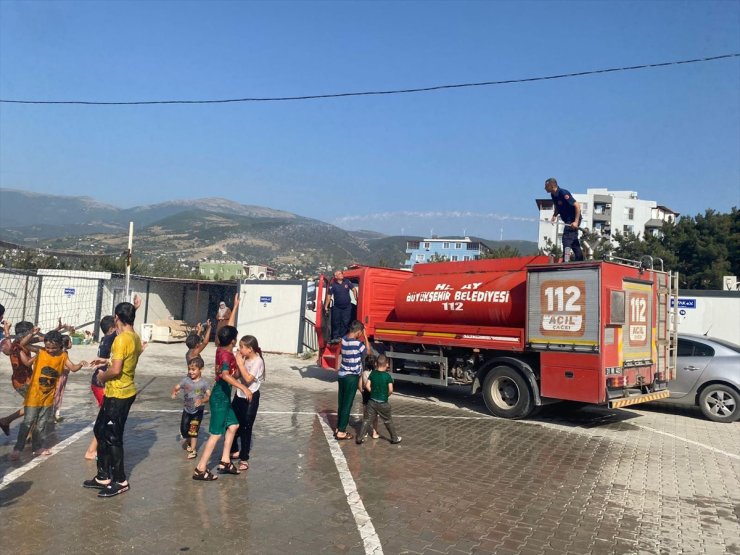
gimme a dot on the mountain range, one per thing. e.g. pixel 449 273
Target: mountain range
pixel 198 229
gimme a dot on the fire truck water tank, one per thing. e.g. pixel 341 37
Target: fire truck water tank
pixel 471 298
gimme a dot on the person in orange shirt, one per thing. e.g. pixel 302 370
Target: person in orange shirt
pixel 48 366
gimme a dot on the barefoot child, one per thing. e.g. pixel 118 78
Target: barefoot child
pixel 223 419
pixel 196 392
pixel 380 385
pixel 48 366
pixel 252 369
pixel 62 383
pixel 21 361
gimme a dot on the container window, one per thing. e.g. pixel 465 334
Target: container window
pixel 616 307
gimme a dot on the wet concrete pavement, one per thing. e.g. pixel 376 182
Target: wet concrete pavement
pixel 649 480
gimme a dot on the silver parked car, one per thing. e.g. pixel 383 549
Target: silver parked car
pixel 707 375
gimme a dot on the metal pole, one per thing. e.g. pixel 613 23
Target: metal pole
pixel 127 292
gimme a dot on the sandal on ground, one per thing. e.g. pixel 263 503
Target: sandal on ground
pixel 376 435
pixel 42 453
pixel 227 468
pixel 346 436
pixel 204 475
pixel 192 454
pixel 243 465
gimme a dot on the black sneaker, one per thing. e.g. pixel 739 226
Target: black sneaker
pixel 94 484
pixel 397 440
pixel 360 440
pixel 114 488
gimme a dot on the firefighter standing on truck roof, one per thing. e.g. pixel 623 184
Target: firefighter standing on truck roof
pixel 569 211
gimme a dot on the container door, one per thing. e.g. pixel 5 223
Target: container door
pixel 563 309
pixel 637 331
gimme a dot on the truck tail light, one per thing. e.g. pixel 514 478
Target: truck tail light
pixel 616 382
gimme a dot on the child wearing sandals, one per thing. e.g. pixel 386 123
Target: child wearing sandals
pixel 223 420
pixel 196 394
pixel 38 406
pixel 252 369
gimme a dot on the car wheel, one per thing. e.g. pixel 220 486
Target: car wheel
pixel 720 403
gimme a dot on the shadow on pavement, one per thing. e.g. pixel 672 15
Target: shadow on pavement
pixel 10 494
pixel 316 373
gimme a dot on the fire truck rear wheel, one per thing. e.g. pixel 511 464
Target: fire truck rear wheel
pixel 507 394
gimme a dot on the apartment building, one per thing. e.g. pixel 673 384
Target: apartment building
pixel 447 248
pixel 607 212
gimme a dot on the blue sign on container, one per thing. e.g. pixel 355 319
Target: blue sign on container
pixel 265 299
pixel 69 291
pixel 685 303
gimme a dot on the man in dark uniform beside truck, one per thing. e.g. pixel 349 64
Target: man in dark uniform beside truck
pixel 341 291
pixel 569 211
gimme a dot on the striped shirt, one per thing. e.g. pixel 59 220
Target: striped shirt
pixel 352 352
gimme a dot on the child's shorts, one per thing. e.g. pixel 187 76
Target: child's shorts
pixel 98 393
pixel 222 416
pixel 190 423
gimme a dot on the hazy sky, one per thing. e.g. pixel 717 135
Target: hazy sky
pixel 471 159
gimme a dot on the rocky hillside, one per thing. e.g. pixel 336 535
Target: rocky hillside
pixel 193 230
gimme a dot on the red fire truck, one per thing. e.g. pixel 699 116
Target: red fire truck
pixel 523 331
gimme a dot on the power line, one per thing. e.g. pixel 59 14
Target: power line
pixel 376 93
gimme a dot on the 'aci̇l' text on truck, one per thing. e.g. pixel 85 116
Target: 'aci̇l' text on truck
pixel 522 331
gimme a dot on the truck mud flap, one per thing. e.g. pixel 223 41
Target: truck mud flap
pixel 626 401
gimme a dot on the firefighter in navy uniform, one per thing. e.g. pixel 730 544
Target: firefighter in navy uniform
pixel 569 211
pixel 341 291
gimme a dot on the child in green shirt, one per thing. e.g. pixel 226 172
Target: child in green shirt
pixel 380 386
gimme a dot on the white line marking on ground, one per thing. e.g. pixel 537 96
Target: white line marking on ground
pixel 33 463
pixel 365 526
pixel 731 455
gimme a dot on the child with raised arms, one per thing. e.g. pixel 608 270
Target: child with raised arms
pixel 48 366
pixel 197 341
pixel 196 393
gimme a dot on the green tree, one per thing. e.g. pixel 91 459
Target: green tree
pixel 436 257
pixel 551 249
pixel 701 249
pixel 505 251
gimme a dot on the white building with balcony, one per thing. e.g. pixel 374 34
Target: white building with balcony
pixel 607 212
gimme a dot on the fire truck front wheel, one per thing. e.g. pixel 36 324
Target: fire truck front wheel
pixel 507 394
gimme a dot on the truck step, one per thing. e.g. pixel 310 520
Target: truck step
pixel 618 403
